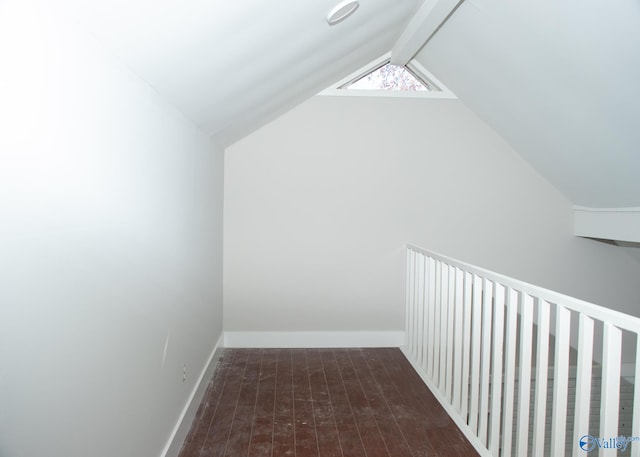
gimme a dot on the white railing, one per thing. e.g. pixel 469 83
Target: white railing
pixel 506 359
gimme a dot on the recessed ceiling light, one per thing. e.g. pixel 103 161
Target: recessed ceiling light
pixel 342 11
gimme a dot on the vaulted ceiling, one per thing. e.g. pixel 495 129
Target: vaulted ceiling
pixel 557 79
pixel 232 65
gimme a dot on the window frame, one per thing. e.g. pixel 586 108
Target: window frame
pixel 440 91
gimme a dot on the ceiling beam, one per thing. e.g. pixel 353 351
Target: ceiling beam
pixel 422 26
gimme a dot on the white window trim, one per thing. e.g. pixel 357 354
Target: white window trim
pixel 414 66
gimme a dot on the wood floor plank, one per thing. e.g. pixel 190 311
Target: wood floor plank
pixel 268 370
pixel 320 403
pixel 261 441
pixel 216 440
pixel 326 428
pixel 373 441
pixel 284 370
pixel 284 443
pixel 239 436
pixel 305 427
pixel 348 433
pixel 382 413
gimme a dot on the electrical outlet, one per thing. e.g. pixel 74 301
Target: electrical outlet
pixel 184 373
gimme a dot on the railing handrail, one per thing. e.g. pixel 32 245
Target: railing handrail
pixel 496 353
pixel 619 319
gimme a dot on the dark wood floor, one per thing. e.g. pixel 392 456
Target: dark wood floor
pixel 320 402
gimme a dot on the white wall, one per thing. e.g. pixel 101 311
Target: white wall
pixel 319 203
pixel 110 246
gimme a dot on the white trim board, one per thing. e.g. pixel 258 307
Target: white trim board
pixel 181 429
pixel 620 224
pixel 313 339
pixel 424 24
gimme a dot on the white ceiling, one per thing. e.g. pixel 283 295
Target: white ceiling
pixel 559 80
pixel 233 65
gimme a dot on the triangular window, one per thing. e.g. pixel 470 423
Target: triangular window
pixel 382 79
pixel 389 77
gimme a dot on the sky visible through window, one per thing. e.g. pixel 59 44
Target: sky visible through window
pixel 389 77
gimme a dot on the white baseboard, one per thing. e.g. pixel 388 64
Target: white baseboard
pixel 313 339
pixel 181 429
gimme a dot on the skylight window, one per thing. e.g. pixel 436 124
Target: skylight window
pixel 388 77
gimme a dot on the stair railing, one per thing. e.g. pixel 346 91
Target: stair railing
pixel 490 348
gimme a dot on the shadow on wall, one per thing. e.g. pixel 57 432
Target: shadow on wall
pixel 633 249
